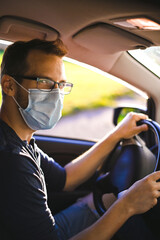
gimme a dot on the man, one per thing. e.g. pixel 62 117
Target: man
pixel 33 84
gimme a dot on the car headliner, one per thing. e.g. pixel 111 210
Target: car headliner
pixel 87 28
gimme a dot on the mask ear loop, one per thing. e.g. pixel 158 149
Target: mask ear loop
pixel 16 102
pixel 20 85
pixel 22 88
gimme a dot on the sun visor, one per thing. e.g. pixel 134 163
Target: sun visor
pixel 12 29
pixel 107 39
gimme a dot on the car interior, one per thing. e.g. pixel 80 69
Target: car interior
pixel 102 34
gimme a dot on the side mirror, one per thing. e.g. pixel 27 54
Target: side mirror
pixel 121 112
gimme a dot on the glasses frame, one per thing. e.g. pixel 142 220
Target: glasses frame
pixel 43 78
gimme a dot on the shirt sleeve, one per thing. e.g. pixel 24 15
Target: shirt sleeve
pixel 55 175
pixel 24 209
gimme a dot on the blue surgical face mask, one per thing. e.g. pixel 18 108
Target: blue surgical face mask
pixel 44 108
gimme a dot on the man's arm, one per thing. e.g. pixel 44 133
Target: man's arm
pixel 82 168
pixel 138 199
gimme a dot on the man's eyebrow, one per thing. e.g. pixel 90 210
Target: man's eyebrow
pixel 63 80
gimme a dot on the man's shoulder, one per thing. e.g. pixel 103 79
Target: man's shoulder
pixel 9 141
pixel 6 141
pixel 12 150
pixel 3 140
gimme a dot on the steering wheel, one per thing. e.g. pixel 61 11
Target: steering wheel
pixel 130 161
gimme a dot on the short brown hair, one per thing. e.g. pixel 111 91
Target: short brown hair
pixel 14 58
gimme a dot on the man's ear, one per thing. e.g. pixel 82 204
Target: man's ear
pixel 8 85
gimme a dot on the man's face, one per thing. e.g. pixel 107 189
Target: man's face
pixel 40 65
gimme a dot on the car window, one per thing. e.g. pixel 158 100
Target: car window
pixel 149 57
pixel 88 109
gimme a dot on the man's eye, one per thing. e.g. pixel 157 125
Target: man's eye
pixel 62 85
pixel 42 81
pixel 47 82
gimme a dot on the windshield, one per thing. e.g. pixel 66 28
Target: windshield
pixel 149 57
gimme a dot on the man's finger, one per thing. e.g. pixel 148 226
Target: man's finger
pixel 155 175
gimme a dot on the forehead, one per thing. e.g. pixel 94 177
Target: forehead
pixel 40 63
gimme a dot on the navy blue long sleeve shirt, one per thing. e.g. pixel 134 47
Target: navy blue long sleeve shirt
pixel 24 172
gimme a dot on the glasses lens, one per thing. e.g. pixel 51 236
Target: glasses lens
pixel 65 88
pixel 45 84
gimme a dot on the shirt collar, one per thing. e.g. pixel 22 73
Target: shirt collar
pixel 11 134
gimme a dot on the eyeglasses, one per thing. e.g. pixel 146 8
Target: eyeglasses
pixel 46 85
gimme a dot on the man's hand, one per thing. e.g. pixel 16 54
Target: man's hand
pixel 79 170
pixel 128 128
pixel 143 194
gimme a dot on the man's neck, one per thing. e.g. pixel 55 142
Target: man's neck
pixel 16 122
